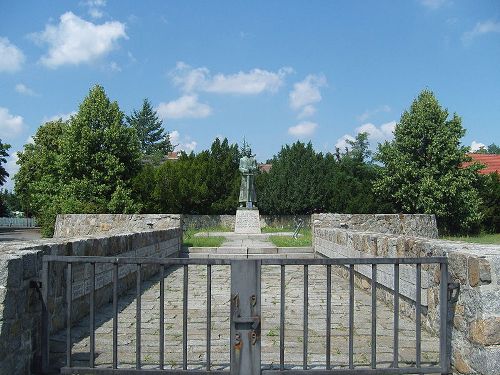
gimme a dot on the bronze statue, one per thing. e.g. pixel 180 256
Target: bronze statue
pixel 248 168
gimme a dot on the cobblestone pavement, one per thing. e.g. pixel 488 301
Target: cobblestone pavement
pixel 270 324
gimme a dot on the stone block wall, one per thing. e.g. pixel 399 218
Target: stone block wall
pixel 476 315
pixel 20 299
pixel 405 224
pixel 71 225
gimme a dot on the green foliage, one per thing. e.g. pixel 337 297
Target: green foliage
pixel 491 149
pixel 83 165
pixel 9 202
pixel 4 147
pixel 483 238
pixel 205 183
pixel 489 191
pixel 423 171
pixel 155 142
pixel 302 181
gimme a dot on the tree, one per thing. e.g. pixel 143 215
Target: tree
pixel 155 142
pixel 423 167
pixel 4 147
pixel 84 165
pixel 489 190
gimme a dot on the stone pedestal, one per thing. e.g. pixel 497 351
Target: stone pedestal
pixel 247 221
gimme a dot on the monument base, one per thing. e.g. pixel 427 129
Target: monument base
pixel 247 221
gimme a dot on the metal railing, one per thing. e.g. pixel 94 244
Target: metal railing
pixel 17 222
pixel 348 263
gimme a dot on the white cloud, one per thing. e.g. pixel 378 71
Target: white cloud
pixel 59 116
pixel 376 134
pixel 481 28
pixel 342 142
pixel 256 81
pixel 433 4
pixel 303 129
pixel 372 112
pixel 307 91
pixel 11 57
pixel 186 144
pixel 307 111
pixel 10 125
pixel 94 7
pixel 186 106
pixel 476 146
pixel 21 88
pixel 74 40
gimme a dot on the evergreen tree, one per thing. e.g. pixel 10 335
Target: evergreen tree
pixel 4 147
pixel 423 167
pixel 155 142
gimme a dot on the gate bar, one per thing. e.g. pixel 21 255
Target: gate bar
pixel 418 317
pixel 92 315
pixel 395 359
pixel 374 316
pixel 443 318
pixel 184 318
pixel 115 315
pixel 69 306
pixel 282 318
pixel 306 315
pixel 209 313
pixel 138 319
pixel 162 317
pixel 328 314
pixel 351 316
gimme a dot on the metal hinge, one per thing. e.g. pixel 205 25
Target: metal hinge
pixel 453 292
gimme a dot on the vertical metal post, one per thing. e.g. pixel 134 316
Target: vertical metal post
pixel 92 316
pixel 306 316
pixel 282 318
pixel 45 345
pixel 328 315
pixel 418 316
pixel 115 315
pixel 162 317
pixel 395 344
pixel 209 313
pixel 185 318
pixel 443 316
pixel 138 318
pixel 245 317
pixel 351 316
pixel 374 316
pixel 69 306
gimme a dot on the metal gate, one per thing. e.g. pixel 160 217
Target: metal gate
pixel 245 320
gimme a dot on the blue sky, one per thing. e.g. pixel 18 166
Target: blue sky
pixel 270 71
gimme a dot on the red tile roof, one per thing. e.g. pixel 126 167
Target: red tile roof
pixel 265 167
pixel 491 162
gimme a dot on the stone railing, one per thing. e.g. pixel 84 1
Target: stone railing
pixel 405 224
pixel 476 315
pixel 20 296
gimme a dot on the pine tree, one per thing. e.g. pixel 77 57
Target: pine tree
pixel 4 147
pixel 153 138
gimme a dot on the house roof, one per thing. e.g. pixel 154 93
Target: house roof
pixel 490 161
pixel 265 167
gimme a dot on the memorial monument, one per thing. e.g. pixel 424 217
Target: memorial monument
pixel 247 214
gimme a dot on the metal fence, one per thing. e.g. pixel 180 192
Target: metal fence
pixel 245 315
pixel 17 222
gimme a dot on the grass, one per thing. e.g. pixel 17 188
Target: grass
pixel 190 240
pixel 483 238
pixel 288 241
pixel 276 230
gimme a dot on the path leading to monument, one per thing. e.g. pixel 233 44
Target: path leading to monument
pixel 270 323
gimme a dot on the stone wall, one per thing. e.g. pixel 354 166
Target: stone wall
pixel 476 315
pixel 71 225
pixel 20 299
pixel 405 224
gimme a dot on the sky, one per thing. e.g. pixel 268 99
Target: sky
pixel 271 71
